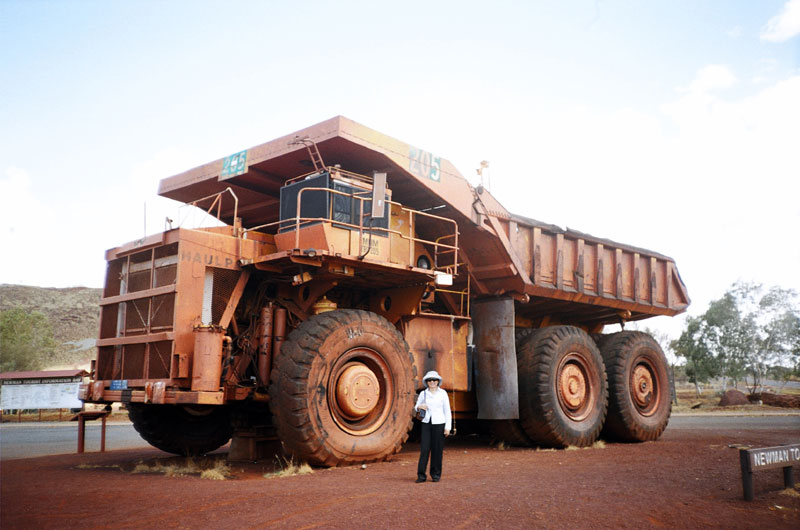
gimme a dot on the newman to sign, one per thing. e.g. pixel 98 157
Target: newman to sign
pixel 775 456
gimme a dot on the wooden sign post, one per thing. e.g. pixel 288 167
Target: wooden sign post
pixel 782 456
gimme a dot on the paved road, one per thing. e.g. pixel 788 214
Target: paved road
pixel 28 440
pixel 779 384
pixel 773 423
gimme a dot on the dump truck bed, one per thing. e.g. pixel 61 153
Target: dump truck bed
pixel 552 273
pixel 570 270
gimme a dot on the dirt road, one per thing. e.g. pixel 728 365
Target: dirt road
pixel 688 479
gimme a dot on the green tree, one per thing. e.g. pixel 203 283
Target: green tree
pixel 693 345
pixel 775 317
pixel 741 335
pixel 732 336
pixel 26 340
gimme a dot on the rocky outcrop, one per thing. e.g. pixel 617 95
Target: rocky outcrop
pixel 73 313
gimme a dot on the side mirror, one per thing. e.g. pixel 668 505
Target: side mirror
pixel 378 195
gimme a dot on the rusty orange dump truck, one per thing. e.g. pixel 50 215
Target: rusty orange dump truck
pixel 344 265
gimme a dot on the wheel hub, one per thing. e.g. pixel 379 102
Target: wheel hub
pixel 572 384
pixel 642 386
pixel 357 390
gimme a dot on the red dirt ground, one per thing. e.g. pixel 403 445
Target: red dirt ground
pixel 688 479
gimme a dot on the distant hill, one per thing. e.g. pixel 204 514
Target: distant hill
pixel 74 313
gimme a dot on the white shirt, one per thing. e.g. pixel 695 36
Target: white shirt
pixel 438 407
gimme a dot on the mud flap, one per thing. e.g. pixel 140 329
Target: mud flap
pixel 495 359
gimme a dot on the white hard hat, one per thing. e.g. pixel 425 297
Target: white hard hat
pixel 433 374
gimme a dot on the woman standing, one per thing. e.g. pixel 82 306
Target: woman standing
pixel 435 426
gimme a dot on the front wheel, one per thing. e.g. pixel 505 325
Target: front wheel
pixel 639 399
pixel 342 389
pixel 187 430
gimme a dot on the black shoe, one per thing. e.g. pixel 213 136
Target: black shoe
pixel 435 479
pixel 420 480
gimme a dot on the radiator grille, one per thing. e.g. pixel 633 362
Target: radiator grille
pixel 150 314
pixel 133 361
pixel 224 284
pixel 159 356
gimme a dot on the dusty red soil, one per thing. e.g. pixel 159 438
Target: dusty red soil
pixel 688 479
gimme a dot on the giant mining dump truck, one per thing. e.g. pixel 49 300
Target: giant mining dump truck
pixel 345 264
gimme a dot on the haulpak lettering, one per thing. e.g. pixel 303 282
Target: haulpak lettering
pixel 207 259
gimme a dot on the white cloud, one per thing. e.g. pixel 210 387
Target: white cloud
pixel 143 184
pixel 710 179
pixel 61 242
pixel 699 113
pixel 735 32
pixel 20 216
pixel 41 241
pixel 710 78
pixel 735 161
pixel 785 25
pixel 15 188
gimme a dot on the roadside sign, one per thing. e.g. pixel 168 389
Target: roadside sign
pixel 781 456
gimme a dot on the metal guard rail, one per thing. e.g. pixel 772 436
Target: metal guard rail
pixel 439 247
pixel 217 202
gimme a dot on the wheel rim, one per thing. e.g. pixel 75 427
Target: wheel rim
pixel 644 387
pixel 575 390
pixel 359 386
pixel 357 391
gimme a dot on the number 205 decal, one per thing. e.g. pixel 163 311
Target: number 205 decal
pixel 424 164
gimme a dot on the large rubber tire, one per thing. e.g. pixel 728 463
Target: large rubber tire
pixel 639 404
pixel 602 339
pixel 511 431
pixel 187 430
pixel 522 334
pixel 315 417
pixel 563 393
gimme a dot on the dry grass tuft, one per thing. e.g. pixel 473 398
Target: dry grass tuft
pixel 571 448
pixel 599 444
pixel 98 466
pixel 790 492
pixel 218 470
pixel 289 468
pixel 501 445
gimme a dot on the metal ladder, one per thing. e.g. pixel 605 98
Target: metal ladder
pixel 313 151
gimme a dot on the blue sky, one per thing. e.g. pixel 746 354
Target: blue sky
pixel 671 125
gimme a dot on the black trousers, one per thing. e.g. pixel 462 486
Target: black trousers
pixel 432 444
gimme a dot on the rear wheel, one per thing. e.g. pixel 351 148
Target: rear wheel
pixel 342 389
pixel 510 432
pixel 187 430
pixel 639 404
pixel 563 395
